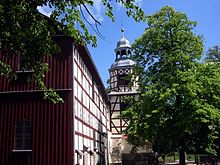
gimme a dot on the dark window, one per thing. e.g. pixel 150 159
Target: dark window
pixel 23 64
pixel 123 80
pixel 123 53
pixel 123 106
pixel 20 62
pixel 129 52
pixel 23 136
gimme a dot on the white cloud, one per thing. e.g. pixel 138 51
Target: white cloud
pixel 96 11
pixel 138 2
pixel 97 5
pixel 46 10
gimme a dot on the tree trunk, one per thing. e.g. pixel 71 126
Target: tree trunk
pixel 182 157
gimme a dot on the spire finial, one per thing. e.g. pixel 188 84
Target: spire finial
pixel 122 28
pixel 123 32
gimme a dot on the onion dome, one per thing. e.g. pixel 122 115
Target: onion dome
pixel 123 48
pixel 123 52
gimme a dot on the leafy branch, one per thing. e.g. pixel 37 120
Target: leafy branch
pixel 23 30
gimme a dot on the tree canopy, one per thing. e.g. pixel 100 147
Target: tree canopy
pixel 213 54
pixel 25 31
pixel 178 108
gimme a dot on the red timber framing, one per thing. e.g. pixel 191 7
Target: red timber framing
pixel 61 134
pixel 51 124
pixel 118 124
pixel 91 106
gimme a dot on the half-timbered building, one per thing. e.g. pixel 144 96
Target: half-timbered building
pixel 120 87
pixel 92 112
pixel 34 131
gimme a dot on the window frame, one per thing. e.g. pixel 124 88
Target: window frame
pixel 123 80
pixel 22 136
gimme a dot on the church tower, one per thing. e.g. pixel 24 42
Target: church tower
pixel 120 87
pixel 122 67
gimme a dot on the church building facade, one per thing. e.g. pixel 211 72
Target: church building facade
pixel 34 131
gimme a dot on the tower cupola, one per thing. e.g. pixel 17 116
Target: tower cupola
pixel 122 67
pixel 123 48
pixel 123 53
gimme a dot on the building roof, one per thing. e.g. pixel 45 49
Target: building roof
pixel 123 51
pixel 125 62
pixel 123 43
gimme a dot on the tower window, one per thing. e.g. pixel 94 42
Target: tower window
pixel 123 105
pixel 22 136
pixel 123 80
pixel 123 53
pixel 117 54
pixel 129 52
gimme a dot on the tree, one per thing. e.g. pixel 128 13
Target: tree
pixel 213 54
pixel 24 31
pixel 178 108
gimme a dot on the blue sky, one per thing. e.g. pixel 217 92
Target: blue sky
pixel 205 12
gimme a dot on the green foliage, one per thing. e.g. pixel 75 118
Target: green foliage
pixel 179 98
pixel 24 31
pixel 213 54
pixel 5 70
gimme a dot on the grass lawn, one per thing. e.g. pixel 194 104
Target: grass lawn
pixel 172 158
